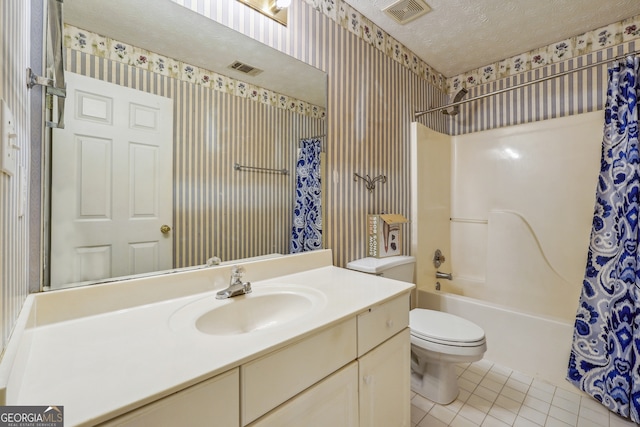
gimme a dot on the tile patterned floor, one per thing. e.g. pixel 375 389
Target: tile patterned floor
pixel 495 396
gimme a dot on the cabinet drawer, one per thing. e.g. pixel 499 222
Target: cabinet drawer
pixel 212 401
pixel 331 402
pixel 276 377
pixel 381 322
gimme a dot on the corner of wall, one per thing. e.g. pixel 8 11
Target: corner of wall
pixel 15 19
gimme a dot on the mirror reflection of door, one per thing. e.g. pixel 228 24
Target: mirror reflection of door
pixel 112 173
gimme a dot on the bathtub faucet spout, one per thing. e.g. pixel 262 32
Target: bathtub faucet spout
pixel 441 275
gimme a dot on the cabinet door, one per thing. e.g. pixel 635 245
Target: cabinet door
pixel 214 402
pixel 385 389
pixel 331 402
pixel 276 377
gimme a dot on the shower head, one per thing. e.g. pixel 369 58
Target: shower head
pixel 457 98
pixel 460 95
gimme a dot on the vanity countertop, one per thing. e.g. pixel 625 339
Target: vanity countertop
pixel 104 363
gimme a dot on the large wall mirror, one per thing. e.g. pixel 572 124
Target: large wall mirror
pixel 177 125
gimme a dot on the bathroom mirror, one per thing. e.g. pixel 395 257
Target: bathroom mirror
pixel 218 208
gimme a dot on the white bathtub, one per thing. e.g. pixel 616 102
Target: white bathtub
pixel 534 344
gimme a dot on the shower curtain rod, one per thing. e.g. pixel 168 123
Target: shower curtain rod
pixel 521 85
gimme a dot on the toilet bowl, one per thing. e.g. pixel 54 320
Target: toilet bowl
pixel 438 342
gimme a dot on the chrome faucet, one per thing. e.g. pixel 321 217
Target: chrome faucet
pixel 441 275
pixel 236 286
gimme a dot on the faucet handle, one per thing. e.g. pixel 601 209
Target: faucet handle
pixel 237 271
pixel 214 260
pixel 438 258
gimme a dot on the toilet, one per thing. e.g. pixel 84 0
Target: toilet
pixel 439 340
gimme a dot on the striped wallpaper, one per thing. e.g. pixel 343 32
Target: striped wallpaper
pixel 14 228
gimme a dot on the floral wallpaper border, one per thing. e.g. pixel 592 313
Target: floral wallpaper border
pixel 349 18
pixel 104 47
pixel 352 20
pixel 591 41
pixel 601 38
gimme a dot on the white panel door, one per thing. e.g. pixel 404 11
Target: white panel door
pixel 112 185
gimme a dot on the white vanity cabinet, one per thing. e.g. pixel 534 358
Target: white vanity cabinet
pixel 212 402
pixel 384 365
pixel 373 390
pixel 329 348
pixel 353 374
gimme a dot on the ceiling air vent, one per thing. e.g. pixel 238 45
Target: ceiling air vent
pixel 404 11
pixel 245 68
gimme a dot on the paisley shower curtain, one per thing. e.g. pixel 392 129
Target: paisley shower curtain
pixel 605 355
pixel 306 233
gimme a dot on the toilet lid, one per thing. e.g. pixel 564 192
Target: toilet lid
pixel 443 327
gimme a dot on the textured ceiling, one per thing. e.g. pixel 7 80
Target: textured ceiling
pixel 455 37
pixel 461 35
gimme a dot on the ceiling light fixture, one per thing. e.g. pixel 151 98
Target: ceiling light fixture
pixel 274 9
pixel 281 4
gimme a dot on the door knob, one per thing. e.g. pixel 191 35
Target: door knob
pixel 165 229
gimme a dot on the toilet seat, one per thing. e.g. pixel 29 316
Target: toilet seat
pixel 445 329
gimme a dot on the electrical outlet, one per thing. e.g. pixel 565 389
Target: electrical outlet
pixel 8 137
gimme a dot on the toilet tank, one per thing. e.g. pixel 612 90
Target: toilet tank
pixel 401 267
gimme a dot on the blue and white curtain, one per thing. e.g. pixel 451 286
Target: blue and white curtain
pixel 306 233
pixel 605 355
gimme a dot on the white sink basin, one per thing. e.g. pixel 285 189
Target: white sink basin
pixel 267 306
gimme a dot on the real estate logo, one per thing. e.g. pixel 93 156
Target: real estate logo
pixel 31 416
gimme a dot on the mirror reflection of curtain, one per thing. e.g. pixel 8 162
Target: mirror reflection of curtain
pixel 306 233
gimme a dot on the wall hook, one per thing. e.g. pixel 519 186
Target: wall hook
pixel 368 182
